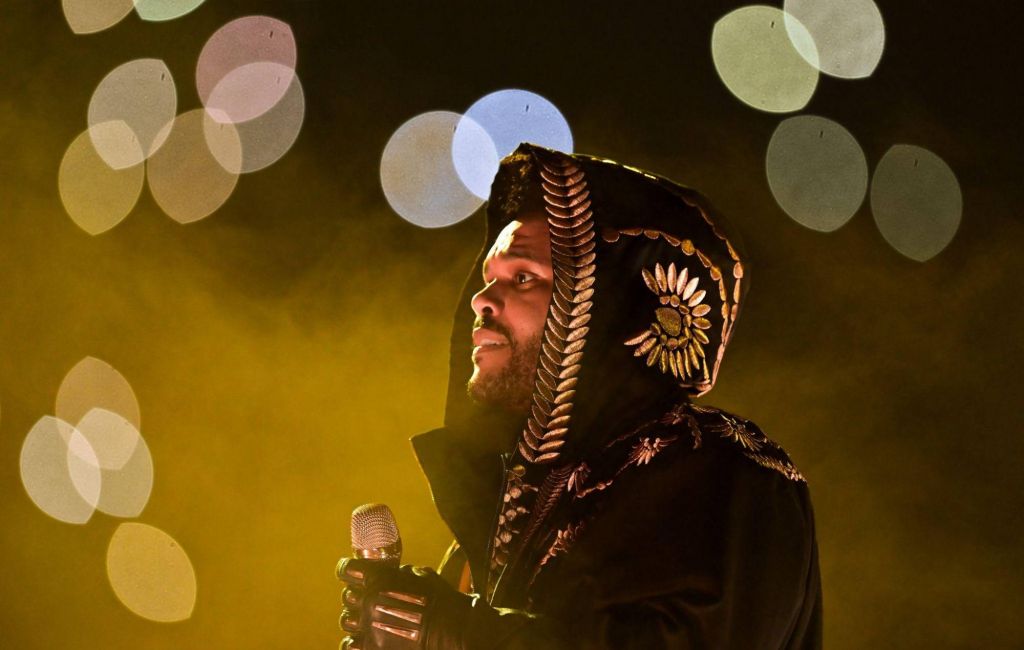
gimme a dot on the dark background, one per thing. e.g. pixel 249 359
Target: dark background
pixel 284 349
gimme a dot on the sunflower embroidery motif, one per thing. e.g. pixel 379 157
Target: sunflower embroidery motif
pixel 676 340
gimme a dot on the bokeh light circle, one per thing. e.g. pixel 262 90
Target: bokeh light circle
pixel 418 175
pixel 116 143
pixel 816 171
pixel 150 573
pixel 509 117
pixel 117 449
pixel 849 35
pixel 186 177
pixel 59 471
pixel 267 138
pixel 239 44
pixel 94 384
pixel 142 95
pixel 916 201
pixel 475 157
pixel 125 491
pixel 764 61
pixel 96 196
pixel 90 16
pixel 247 92
pixel 161 10
pixel 112 438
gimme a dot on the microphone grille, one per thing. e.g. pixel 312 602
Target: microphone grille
pixel 373 527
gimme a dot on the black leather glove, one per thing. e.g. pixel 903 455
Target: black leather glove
pixel 400 608
pixel 412 608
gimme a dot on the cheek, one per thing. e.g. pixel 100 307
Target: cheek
pixel 528 318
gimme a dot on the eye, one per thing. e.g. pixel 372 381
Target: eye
pixel 522 277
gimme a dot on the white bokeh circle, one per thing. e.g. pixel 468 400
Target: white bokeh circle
pixel 418 175
pixel 849 35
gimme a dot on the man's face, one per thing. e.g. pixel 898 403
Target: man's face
pixel 511 311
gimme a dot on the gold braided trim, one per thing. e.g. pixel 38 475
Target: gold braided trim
pixel 737 269
pixel 571 228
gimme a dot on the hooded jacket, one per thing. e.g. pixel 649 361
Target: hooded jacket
pixel 618 511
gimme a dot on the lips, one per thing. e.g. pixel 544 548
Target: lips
pixel 485 340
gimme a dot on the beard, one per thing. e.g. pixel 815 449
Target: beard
pixel 511 387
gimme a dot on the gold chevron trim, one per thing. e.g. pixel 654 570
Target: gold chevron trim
pixel 571 230
pixel 578 195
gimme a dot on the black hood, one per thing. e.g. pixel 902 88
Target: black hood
pixel 648 286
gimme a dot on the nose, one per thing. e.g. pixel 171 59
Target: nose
pixel 487 300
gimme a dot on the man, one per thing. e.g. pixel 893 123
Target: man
pixel 592 503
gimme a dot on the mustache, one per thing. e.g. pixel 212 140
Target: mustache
pixel 488 322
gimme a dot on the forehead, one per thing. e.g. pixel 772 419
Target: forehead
pixel 527 234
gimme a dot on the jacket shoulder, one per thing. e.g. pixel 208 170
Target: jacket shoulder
pixel 688 433
pixel 712 427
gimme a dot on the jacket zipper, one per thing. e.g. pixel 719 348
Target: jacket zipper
pixel 488 589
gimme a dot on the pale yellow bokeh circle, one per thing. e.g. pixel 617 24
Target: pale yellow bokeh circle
pixel 60 471
pixel 916 201
pixel 96 196
pixel 186 175
pixel 816 171
pixel 141 96
pixel 124 460
pixel 89 16
pixel 764 64
pixel 93 383
pixel 113 438
pixel 150 573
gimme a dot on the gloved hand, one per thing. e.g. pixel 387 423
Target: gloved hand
pixel 389 608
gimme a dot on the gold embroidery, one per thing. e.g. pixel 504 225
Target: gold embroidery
pixel 728 312
pixel 733 429
pixel 515 489
pixel 596 487
pixel 755 445
pixel 646 449
pixel 571 228
pixel 642 452
pixel 578 476
pixel 680 413
pixel 564 539
pixel 676 340
pixel 785 467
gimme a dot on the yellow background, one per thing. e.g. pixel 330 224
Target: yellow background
pixel 284 349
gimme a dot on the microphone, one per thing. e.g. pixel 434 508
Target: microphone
pixel 375 537
pixel 375 534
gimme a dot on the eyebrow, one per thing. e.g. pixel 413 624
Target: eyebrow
pixel 521 254
pixel 513 253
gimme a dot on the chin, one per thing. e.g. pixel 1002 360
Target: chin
pixel 480 382
pixel 491 362
pixel 481 375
